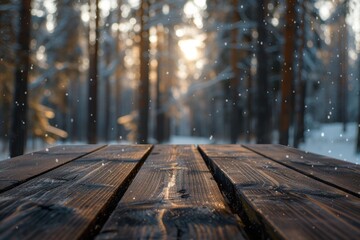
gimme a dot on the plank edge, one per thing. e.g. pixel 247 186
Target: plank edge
pixel 18 183
pixel 254 227
pixel 97 224
pixel 355 194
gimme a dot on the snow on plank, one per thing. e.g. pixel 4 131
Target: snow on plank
pixel 69 202
pixel 281 202
pixel 337 173
pixel 17 170
pixel 173 196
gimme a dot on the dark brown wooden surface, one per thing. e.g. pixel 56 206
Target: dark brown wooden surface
pixel 169 191
pixel 68 202
pixel 341 174
pixel 22 168
pixel 281 202
pixel 173 196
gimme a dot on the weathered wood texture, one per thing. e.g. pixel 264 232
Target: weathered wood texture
pixel 17 170
pixel 173 196
pixel 340 174
pixel 280 202
pixel 81 192
pixel 71 201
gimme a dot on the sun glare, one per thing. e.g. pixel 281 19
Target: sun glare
pixel 326 8
pixel 194 9
pixel 189 47
pixel 107 5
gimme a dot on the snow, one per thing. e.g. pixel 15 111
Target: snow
pixel 189 140
pixel 4 156
pixel 33 145
pixel 327 139
pixel 330 140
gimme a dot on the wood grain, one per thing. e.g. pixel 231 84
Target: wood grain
pixel 68 202
pixel 173 196
pixel 340 174
pixel 280 202
pixel 17 170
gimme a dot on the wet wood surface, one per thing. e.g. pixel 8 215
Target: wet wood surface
pixel 173 196
pixel 68 202
pixel 178 192
pixel 283 203
pixel 341 174
pixel 19 169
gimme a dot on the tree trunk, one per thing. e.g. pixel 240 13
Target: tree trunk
pixel 93 77
pixel 248 124
pixel 7 38
pixel 358 134
pixel 20 107
pixel 263 123
pixel 108 89
pixel 343 66
pixel 234 82
pixel 75 95
pixel 118 87
pixel 160 87
pixel 108 100
pixel 143 105
pixel 171 66
pixel 287 81
pixel 301 85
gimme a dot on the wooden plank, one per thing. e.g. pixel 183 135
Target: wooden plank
pixel 281 202
pixel 173 196
pixel 71 201
pixel 17 170
pixel 340 174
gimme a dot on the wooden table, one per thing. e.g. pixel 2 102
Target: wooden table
pixel 178 192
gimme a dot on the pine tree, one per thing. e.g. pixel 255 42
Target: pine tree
pixel 343 56
pixel 287 80
pixel 263 125
pixel 7 62
pixel 358 133
pixel 20 106
pixel 299 120
pixel 234 82
pixel 118 73
pixel 93 78
pixel 143 104
pixel 160 86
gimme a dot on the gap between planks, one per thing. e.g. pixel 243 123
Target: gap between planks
pixel 262 189
pixel 173 196
pixel 71 201
pixel 18 170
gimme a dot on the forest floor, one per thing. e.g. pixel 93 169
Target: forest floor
pixel 327 139
pixel 330 140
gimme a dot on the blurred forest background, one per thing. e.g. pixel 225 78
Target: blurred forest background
pixel 230 71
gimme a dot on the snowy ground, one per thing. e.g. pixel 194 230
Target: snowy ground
pixel 328 139
pixel 331 141
pixel 189 140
